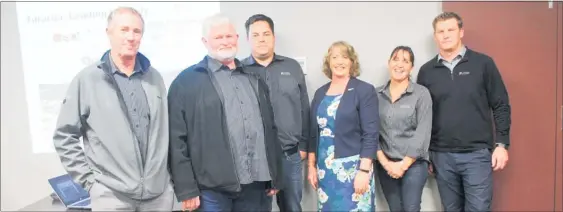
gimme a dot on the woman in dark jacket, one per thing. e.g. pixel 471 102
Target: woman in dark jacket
pixel 344 124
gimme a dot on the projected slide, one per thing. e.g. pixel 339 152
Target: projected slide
pixel 60 39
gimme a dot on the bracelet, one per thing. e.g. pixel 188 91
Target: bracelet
pixel 364 170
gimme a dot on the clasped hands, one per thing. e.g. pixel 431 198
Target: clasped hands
pixel 361 180
pixel 394 169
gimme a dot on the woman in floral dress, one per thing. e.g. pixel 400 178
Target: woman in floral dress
pixel 344 123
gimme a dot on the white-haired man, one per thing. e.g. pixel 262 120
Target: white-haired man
pixel 224 149
pixel 116 106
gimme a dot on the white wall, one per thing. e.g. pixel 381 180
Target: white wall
pixel 374 28
pixel 24 174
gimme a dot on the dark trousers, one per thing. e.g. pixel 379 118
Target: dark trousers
pixel 251 198
pixel 289 199
pixel 465 180
pixel 404 194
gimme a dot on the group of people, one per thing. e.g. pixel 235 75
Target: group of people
pixel 230 134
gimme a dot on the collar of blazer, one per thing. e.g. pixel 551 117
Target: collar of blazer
pixel 350 87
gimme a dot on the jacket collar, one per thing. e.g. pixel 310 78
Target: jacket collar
pixel 465 53
pixel 460 54
pixel 204 65
pixel 106 63
pixel 352 83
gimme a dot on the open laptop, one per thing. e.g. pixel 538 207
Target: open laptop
pixel 72 195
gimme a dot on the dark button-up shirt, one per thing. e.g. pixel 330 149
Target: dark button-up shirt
pixel 136 102
pixel 288 94
pixel 244 123
pixel 406 124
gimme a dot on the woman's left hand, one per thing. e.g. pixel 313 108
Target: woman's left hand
pixel 361 182
pixel 395 170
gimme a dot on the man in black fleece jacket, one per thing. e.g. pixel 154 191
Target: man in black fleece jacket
pixel 465 86
pixel 224 149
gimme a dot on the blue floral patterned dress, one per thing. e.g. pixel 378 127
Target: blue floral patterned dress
pixel 336 176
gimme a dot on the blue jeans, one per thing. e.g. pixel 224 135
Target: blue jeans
pixel 289 199
pixel 465 180
pixel 404 194
pixel 251 198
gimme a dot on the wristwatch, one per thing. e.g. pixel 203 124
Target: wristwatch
pixel 501 145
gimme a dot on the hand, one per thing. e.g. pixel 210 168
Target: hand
pixel 271 192
pixel 303 155
pixel 190 204
pixel 430 168
pixel 394 169
pixel 361 182
pixel 500 158
pixel 312 176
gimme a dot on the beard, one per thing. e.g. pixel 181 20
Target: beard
pixel 223 55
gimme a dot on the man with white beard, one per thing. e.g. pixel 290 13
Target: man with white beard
pixel 224 150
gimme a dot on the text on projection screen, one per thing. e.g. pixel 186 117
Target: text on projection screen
pixel 60 39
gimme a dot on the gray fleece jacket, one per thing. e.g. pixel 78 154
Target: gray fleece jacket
pixel 94 110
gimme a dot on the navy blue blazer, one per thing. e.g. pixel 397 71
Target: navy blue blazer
pixel 357 121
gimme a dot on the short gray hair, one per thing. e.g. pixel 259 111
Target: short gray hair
pixel 214 20
pixel 120 10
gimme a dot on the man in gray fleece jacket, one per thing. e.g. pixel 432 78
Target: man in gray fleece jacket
pixel 118 107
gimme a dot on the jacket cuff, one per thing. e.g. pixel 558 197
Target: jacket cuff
pixel 88 185
pixel 503 139
pixel 312 145
pixel 188 195
pixel 89 182
pixel 302 146
pixel 368 153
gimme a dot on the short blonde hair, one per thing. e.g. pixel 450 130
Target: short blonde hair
pixel 347 50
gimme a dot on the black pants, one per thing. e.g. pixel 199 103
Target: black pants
pixel 465 180
pixel 404 194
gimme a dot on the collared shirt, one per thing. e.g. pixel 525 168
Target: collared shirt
pixel 455 61
pixel 288 94
pixel 136 102
pixel 244 123
pixel 406 124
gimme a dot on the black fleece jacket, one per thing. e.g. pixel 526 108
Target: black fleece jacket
pixel 463 100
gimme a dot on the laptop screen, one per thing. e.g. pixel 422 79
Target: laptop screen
pixel 68 191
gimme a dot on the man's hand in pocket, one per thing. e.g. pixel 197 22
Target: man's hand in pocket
pixel 303 155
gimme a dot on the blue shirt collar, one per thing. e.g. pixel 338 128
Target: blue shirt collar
pixel 460 55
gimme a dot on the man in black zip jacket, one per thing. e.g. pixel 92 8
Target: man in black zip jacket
pixel 224 150
pixel 465 86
